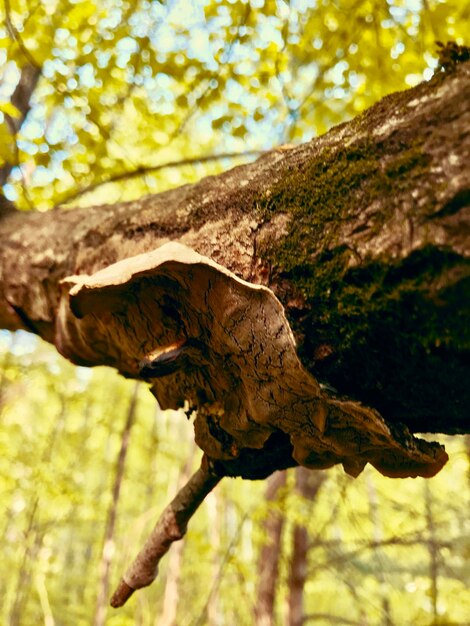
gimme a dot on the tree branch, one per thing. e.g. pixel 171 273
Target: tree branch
pixel 147 169
pixel 170 527
pixel 362 237
pixel 20 99
pixel 15 35
pixel 334 619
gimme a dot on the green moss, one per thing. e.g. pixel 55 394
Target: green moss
pixel 411 160
pixel 333 189
pixel 396 329
pixel 400 340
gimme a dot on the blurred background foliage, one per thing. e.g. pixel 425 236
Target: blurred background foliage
pixel 91 91
pixel 375 551
pixel 95 99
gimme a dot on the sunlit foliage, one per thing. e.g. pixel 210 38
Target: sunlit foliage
pixel 131 84
pixel 127 86
pixel 371 538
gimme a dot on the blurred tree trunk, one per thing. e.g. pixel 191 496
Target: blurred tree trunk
pixel 33 538
pixel 268 561
pixel 307 485
pixel 433 550
pixel 171 594
pixel 34 533
pixel 21 99
pixel 378 539
pixel 108 541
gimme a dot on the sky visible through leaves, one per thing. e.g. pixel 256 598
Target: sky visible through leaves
pixel 124 87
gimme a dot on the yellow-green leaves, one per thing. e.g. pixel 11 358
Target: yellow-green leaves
pixel 209 75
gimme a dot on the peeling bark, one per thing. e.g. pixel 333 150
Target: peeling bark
pixel 361 237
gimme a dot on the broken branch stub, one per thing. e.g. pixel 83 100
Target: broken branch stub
pixel 223 345
pixel 170 527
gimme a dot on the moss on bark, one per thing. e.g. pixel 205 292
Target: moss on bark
pixel 388 329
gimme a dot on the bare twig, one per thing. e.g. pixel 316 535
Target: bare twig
pixel 147 169
pixel 15 36
pixel 334 619
pixel 170 527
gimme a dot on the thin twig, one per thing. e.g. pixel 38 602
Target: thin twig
pixel 225 59
pixel 15 35
pixel 170 527
pixel 147 169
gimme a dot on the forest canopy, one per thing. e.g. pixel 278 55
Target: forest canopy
pixel 111 100
pixel 193 80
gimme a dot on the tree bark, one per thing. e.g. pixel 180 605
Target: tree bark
pixel 307 485
pixel 362 235
pixel 269 557
pixel 170 527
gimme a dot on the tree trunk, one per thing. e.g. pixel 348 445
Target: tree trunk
pixel 171 595
pixel 108 541
pixel 268 562
pixel 307 485
pixel 21 99
pixel 361 234
pixel 378 539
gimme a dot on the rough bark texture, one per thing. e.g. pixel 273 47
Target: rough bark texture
pixel 362 235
